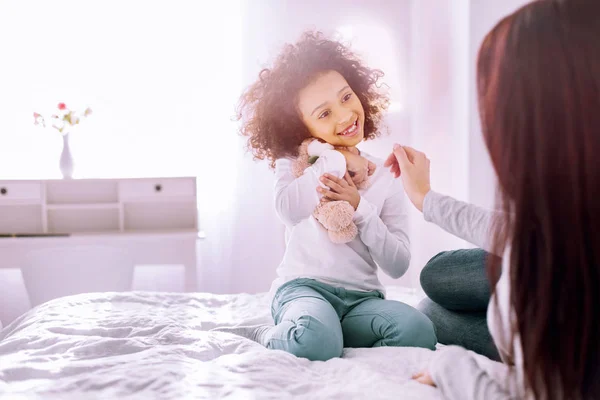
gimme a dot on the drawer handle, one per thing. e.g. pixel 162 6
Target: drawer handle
pixel 3 191
pixel 158 187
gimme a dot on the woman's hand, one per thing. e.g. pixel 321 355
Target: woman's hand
pixel 424 378
pixel 340 189
pixel 413 167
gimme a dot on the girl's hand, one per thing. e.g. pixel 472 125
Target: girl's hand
pixel 413 167
pixel 424 378
pixel 340 189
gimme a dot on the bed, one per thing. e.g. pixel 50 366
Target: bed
pixel 151 345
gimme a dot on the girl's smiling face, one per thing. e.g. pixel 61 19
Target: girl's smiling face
pixel 331 110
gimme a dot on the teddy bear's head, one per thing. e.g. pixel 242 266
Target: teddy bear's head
pixel 359 168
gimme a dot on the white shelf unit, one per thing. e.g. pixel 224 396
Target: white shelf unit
pixel 98 206
pixel 160 213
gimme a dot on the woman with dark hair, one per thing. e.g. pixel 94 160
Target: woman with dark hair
pixel 538 78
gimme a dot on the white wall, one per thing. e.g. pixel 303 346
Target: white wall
pixel 483 16
pixel 446 35
pixel 437 113
pixel 428 50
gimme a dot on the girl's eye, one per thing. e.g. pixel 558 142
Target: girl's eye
pixel 347 97
pixel 324 114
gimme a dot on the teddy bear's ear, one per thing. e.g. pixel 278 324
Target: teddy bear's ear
pixel 302 160
pixel 303 149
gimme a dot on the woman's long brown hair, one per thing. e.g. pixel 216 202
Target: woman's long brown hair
pixel 539 97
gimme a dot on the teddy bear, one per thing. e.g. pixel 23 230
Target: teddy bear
pixel 335 216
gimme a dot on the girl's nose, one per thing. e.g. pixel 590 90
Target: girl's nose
pixel 345 119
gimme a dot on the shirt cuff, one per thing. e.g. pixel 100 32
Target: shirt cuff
pixel 444 361
pixel 430 202
pixel 364 211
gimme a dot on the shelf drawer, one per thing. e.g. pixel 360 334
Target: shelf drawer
pixel 81 192
pixel 160 216
pixel 156 189
pixel 19 191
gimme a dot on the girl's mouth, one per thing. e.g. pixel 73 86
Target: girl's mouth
pixel 350 131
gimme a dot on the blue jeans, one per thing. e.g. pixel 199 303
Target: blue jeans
pixel 459 293
pixel 316 321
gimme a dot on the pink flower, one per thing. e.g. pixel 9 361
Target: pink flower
pixel 63 118
pixel 38 119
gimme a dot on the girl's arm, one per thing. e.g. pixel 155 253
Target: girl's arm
pixel 296 198
pixel 385 234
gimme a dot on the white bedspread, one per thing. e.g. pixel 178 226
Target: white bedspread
pixel 156 346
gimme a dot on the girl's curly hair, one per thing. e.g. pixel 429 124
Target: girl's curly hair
pixel 268 108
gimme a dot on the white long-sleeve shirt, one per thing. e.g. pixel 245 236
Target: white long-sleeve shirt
pixel 380 217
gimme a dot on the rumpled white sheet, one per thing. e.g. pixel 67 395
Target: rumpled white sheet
pixel 150 345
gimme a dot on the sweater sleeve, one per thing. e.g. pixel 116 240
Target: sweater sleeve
pixel 457 374
pixel 296 198
pixel 466 221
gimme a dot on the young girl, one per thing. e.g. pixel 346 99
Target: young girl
pixel 327 296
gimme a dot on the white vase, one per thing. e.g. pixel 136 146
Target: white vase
pixel 66 159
